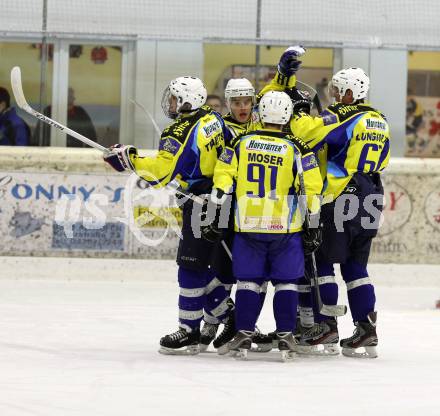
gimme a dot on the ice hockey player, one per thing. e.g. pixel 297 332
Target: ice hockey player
pixel 188 151
pixel 242 117
pixel 285 80
pixel 260 168
pixel 355 139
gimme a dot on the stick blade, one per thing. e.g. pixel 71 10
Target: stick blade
pixel 333 310
pixel 17 87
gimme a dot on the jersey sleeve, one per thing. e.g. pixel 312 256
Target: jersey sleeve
pixel 158 170
pixel 313 130
pixel 312 181
pixel 278 83
pixel 226 168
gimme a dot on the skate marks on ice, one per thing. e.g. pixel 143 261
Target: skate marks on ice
pixel 90 348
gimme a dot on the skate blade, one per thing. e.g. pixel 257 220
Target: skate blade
pixel 240 354
pixel 189 350
pixel 262 348
pixel 288 356
pixel 223 350
pixel 365 352
pixel 203 347
pixel 322 350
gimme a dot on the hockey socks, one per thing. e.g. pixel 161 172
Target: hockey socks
pixel 328 288
pixel 285 304
pixel 247 304
pixel 191 297
pixel 360 291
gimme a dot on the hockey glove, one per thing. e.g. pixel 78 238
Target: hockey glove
pixel 289 63
pixel 312 235
pixel 119 157
pixel 301 100
pixel 212 232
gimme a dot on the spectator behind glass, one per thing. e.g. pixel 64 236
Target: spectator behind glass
pixel 215 102
pixel 13 130
pixel 77 120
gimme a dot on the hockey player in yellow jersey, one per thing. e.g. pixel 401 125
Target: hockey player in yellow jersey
pixel 242 117
pixel 242 114
pixel 354 138
pixel 188 152
pixel 260 168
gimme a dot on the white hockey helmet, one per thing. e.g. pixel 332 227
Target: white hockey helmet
pixel 190 94
pixel 275 108
pixel 238 87
pixel 354 79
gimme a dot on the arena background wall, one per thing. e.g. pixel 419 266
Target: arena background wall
pixel 50 194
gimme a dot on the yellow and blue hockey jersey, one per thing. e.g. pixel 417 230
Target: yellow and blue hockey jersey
pixel 234 128
pixel 260 167
pixel 356 139
pixel 188 152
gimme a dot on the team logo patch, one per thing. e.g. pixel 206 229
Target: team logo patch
pixel 170 145
pixel 210 128
pixel 375 124
pixel 329 119
pixel 226 156
pixel 309 162
pixel 266 146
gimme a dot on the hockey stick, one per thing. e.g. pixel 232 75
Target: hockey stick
pixel 5 180
pixel 315 99
pixel 328 310
pixel 150 116
pixel 201 202
pixel 178 189
pixel 17 89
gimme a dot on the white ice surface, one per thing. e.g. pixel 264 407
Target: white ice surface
pixel 89 348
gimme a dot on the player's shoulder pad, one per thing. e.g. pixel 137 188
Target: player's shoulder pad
pixel 235 141
pixel 205 109
pixel 368 107
pixel 300 144
pixel 211 125
pixel 345 111
pixel 170 144
pixel 178 130
pixel 309 162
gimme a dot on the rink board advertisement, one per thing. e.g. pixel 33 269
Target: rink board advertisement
pixel 410 232
pixel 114 215
pixel 60 214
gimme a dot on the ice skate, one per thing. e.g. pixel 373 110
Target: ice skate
pixel 239 346
pixel 262 342
pixel 181 342
pixel 273 336
pixel 300 329
pixel 320 339
pixel 363 342
pixel 207 335
pixel 221 342
pixel 287 344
